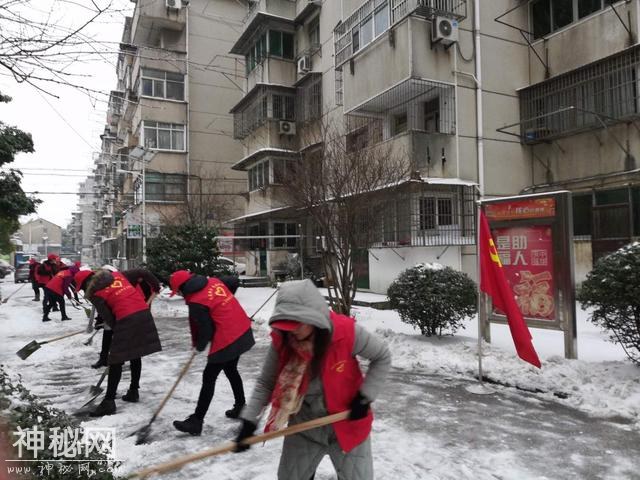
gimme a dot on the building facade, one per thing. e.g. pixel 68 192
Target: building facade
pixel 40 237
pixel 168 126
pixel 493 98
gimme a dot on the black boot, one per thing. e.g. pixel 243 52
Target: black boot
pixel 191 424
pixel 46 318
pixel 100 363
pixel 235 411
pixel 131 396
pixel 37 299
pixel 66 318
pixel 106 407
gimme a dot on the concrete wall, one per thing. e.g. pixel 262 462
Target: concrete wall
pixel 385 264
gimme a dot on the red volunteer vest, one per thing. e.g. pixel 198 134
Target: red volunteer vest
pixel 40 278
pixel 341 379
pixel 56 284
pixel 122 298
pixel 229 318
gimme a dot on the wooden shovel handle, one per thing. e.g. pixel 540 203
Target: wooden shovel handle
pixel 166 398
pixel 62 337
pixel 230 446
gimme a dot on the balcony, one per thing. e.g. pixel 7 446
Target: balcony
pixel 115 109
pixel 375 17
pixel 155 16
pixel 595 96
pixel 262 104
pixel 285 9
pixel 265 15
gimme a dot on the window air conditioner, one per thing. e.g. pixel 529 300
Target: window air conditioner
pixel 444 30
pixel 304 64
pixel 174 4
pixel 286 128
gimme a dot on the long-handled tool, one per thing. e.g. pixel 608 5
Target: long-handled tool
pixel 91 314
pixel 230 446
pixel 96 390
pixel 5 300
pixel 265 302
pixel 34 345
pixel 90 339
pixel 143 433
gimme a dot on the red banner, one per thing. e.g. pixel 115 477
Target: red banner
pixel 526 254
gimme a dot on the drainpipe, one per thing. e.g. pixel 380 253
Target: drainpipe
pixel 187 130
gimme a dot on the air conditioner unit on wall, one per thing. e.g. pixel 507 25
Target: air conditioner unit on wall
pixel 286 128
pixel 174 4
pixel 304 64
pixel 444 30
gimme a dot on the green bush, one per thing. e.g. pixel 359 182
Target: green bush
pixel 186 247
pixel 20 408
pixel 612 289
pixel 433 298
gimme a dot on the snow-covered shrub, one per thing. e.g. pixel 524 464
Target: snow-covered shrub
pixel 612 289
pixel 433 298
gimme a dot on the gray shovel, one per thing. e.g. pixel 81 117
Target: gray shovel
pixel 26 351
pixel 96 390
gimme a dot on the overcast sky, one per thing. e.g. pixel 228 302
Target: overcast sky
pixel 65 130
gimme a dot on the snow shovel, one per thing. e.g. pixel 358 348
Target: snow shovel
pixel 143 433
pixel 26 351
pixel 5 300
pixel 91 315
pixel 96 390
pixel 230 446
pixel 90 339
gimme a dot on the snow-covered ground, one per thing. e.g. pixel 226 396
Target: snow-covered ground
pixel 428 424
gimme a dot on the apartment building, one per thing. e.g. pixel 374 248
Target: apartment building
pixel 168 139
pixel 499 98
pixel 81 228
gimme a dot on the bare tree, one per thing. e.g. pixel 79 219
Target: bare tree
pixel 41 40
pixel 340 184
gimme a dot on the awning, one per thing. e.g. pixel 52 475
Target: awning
pixel 256 215
pixel 263 153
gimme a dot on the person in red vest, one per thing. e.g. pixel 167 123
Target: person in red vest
pixel 45 272
pixel 124 309
pixel 33 265
pixel 311 371
pixel 56 289
pixel 149 286
pixel 215 316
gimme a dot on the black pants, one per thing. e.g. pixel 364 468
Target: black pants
pixel 51 298
pixel 36 289
pixel 107 335
pixel 209 377
pixel 115 373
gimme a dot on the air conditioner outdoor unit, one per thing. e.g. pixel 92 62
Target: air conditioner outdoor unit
pixel 304 64
pixel 444 30
pixel 174 4
pixel 286 128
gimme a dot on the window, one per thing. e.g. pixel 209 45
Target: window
pixel 432 116
pixel 163 136
pixel 550 15
pixel 281 44
pixel 400 123
pixel 434 212
pixel 165 187
pixel 381 17
pixel 258 176
pixel 285 229
pixel 355 42
pixel 161 84
pixel 282 170
pixel 283 107
pixel 366 31
pixel 357 140
pixel 314 33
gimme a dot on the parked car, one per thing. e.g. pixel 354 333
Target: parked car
pixel 22 273
pixel 5 268
pixel 237 267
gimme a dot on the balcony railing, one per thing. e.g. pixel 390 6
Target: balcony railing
pixel 375 17
pixel 263 103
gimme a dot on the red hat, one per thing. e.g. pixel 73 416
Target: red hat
pixel 285 325
pixel 82 277
pixel 52 256
pixel 77 263
pixel 177 279
pixel 32 261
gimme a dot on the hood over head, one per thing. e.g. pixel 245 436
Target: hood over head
pixel 301 301
pixel 194 284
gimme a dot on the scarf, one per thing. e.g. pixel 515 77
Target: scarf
pixel 291 384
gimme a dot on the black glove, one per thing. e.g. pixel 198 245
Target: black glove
pixel 246 431
pixel 99 324
pixel 359 407
pixel 201 342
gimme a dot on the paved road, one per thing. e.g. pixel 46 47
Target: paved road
pixel 427 426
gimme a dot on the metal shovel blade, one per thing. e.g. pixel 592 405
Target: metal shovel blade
pixel 28 349
pixel 94 392
pixel 142 434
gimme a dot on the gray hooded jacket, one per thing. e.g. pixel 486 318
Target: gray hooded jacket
pixel 300 300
